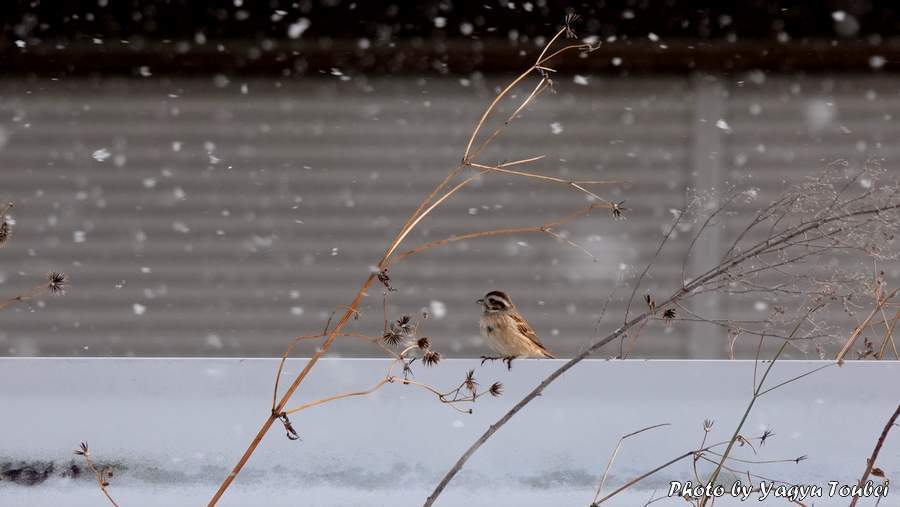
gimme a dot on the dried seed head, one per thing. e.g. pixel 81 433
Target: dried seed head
pixel 618 210
pixel 431 358
pixel 708 424
pixel 766 434
pixel 105 475
pixel 82 450
pixel 423 343
pixel 470 382
pixel 496 389
pixel 385 280
pixel 56 283
pixel 288 427
pixel 5 232
pixel 403 324
pixel 669 314
pixel 651 303
pixel 570 20
pixel 392 338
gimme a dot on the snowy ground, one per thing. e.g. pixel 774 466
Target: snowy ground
pixel 172 427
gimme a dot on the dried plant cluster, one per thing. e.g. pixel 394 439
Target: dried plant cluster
pixel 819 243
pixel 103 475
pixel 56 282
pixel 814 250
pixel 401 339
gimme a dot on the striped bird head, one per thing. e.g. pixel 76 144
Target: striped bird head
pixel 496 302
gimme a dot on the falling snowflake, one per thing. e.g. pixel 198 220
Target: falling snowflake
pixel 876 61
pixel 295 30
pixel 438 309
pixel 101 155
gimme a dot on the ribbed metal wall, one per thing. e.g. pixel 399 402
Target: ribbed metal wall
pixel 206 217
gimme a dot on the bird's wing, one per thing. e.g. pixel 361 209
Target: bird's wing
pixel 525 329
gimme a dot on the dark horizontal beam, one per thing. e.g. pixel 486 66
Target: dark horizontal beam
pixel 441 57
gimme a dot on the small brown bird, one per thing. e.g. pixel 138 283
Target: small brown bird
pixel 506 331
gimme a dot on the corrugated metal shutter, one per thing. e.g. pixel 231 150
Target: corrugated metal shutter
pixel 197 217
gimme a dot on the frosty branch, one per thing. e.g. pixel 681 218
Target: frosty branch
pixel 819 219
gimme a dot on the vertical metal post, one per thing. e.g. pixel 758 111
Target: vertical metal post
pixel 710 126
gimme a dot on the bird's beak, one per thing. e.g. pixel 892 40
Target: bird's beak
pixel 480 301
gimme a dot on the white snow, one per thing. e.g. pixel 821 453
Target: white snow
pixel 172 428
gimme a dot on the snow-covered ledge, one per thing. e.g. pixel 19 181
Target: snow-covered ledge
pixel 171 428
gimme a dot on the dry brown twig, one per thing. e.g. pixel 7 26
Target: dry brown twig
pixel 889 337
pixel 615 453
pixel 870 462
pixel 441 192
pixel 882 299
pixel 102 475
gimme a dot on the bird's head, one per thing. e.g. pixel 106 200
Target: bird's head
pixel 495 302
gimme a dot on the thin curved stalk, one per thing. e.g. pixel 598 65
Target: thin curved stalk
pixel 425 213
pixel 616 452
pixel 871 461
pixel 543 228
pixel 311 404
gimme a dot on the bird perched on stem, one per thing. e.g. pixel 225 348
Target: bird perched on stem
pixel 506 331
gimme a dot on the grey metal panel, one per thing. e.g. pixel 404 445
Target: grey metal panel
pixel 238 220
